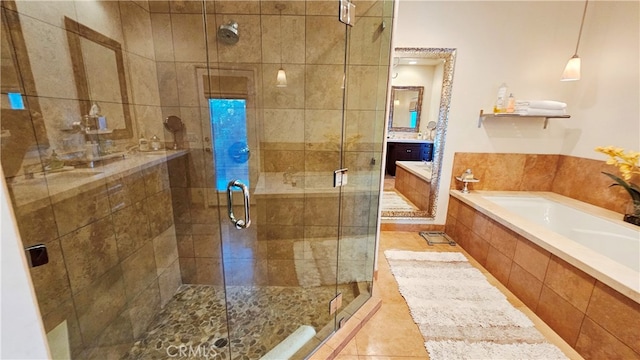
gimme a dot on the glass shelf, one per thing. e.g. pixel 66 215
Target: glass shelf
pixel 483 116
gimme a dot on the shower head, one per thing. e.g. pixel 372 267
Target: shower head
pixel 228 33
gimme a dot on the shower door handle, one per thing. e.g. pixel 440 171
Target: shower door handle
pixel 239 223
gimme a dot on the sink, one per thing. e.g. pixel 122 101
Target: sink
pixel 67 176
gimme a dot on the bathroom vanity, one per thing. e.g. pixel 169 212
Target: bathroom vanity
pixel 407 150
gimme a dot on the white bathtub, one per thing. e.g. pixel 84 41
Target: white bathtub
pixel 616 242
pixel 593 239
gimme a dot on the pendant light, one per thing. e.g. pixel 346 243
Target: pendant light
pixel 281 78
pixel 572 70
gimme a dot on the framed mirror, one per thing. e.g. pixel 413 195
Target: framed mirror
pixel 405 107
pixel 22 124
pixel 99 72
pixel 440 63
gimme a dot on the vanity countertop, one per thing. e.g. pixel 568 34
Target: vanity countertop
pixel 59 186
pixel 411 141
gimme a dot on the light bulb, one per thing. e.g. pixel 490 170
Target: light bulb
pixel 281 79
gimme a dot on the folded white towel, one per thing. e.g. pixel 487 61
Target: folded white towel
pixel 542 104
pixel 540 112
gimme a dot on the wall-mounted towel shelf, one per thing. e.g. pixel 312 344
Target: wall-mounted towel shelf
pixel 483 116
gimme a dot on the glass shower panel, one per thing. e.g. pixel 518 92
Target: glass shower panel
pixel 367 73
pixel 103 213
pixel 280 271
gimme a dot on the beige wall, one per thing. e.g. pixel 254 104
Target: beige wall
pixel 529 54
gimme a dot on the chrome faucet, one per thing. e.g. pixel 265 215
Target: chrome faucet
pixel 53 162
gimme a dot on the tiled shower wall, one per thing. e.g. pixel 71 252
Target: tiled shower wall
pixel 296 129
pixel 571 176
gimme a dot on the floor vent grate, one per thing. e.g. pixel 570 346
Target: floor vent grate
pixel 437 238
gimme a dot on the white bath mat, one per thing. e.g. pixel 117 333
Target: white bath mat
pixel 461 315
pixel 392 201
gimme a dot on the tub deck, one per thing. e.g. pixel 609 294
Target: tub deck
pixel 417 168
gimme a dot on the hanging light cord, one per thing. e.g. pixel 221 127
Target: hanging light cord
pixel 584 14
pixel 280 24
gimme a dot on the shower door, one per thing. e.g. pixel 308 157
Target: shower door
pixel 274 153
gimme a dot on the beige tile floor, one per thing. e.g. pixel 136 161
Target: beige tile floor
pixel 391 333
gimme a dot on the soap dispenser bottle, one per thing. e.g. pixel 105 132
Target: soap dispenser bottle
pixel 143 144
pixel 91 150
pixel 501 101
pixel 155 142
pixel 511 104
pixel 95 109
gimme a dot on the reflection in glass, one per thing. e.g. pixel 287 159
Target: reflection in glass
pixel 99 75
pixel 15 101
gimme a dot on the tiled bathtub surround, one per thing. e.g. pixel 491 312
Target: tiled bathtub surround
pixel 530 271
pixel 113 258
pixel 595 319
pixel 413 187
pixel 571 176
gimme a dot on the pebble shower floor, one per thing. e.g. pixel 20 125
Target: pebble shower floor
pixel 194 321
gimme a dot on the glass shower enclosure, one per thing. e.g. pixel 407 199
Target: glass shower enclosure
pixel 234 244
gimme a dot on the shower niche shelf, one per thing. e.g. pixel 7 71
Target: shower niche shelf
pixel 483 116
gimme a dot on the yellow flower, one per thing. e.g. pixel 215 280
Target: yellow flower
pixel 628 163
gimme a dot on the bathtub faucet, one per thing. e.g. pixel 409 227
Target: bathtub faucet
pixel 466 178
pixel 287 177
